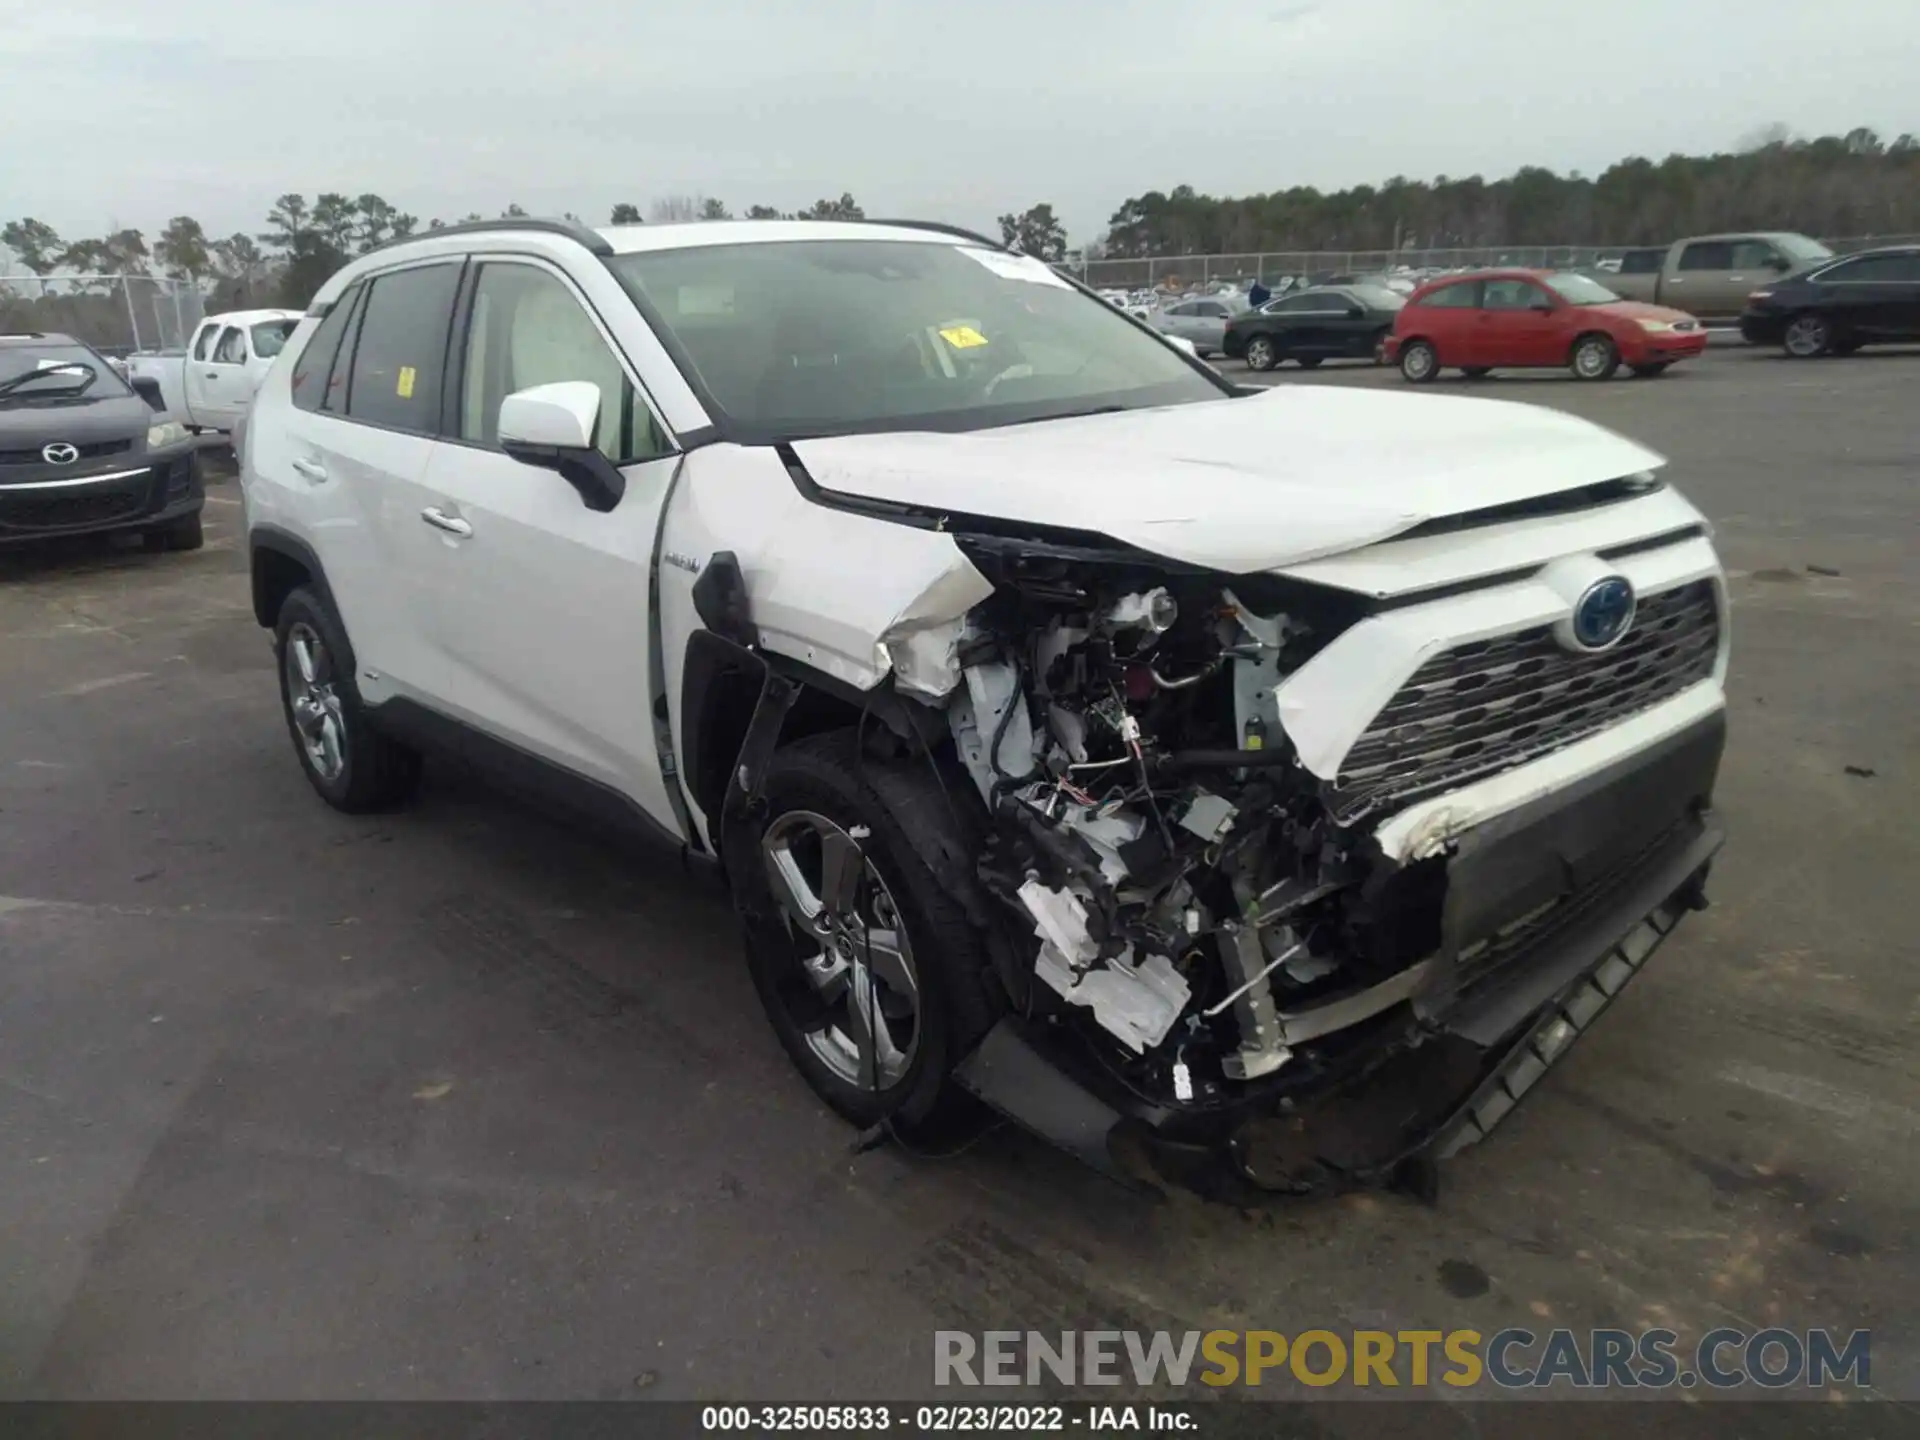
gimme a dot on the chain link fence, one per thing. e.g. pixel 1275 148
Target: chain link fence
pixel 1176 272
pixel 116 314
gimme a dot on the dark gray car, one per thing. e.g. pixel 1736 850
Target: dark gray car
pixel 81 451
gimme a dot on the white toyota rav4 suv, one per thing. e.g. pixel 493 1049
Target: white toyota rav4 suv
pixel 1263 786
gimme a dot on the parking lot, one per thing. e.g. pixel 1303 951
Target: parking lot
pixel 461 1103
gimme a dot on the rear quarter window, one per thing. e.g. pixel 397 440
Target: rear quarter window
pixel 1461 296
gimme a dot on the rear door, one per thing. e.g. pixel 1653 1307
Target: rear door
pixel 1873 297
pixel 197 373
pixel 1702 282
pixel 361 448
pixel 1348 325
pixel 537 610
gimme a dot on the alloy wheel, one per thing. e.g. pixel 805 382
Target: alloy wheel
pixel 1260 354
pixel 1590 359
pixel 1807 336
pixel 313 698
pixel 863 1015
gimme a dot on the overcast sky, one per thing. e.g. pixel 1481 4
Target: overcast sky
pixel 130 112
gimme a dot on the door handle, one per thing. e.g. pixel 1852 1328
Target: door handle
pixel 212 374
pixel 312 469
pixel 440 520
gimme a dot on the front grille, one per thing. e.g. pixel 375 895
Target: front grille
pixel 95 451
pixel 1490 705
pixel 59 512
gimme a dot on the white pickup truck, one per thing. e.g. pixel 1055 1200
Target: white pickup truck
pixel 211 384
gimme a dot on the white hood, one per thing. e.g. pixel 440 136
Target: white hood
pixel 1242 485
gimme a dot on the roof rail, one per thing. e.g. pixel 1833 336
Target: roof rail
pixel 572 229
pixel 959 231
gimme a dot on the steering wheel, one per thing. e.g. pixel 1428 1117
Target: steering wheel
pixel 1021 371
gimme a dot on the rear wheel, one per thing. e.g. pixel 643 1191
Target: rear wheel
pixel 1807 336
pixel 1419 362
pixel 1652 369
pixel 870 972
pixel 1262 353
pixel 1594 357
pixel 353 766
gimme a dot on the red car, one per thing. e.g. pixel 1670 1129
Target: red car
pixel 1528 318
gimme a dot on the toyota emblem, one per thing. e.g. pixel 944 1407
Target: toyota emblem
pixel 60 453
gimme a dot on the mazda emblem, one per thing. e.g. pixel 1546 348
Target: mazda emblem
pixel 59 453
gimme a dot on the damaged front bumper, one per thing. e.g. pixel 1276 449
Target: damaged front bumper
pixel 1552 906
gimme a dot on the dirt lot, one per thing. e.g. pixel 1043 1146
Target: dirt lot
pixel 458 1103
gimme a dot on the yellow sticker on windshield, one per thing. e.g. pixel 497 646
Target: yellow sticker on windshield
pixel 403 387
pixel 963 337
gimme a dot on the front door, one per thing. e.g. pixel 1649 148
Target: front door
pixel 1518 323
pixel 197 373
pixel 537 610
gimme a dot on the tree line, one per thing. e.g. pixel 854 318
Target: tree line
pixel 303 242
pixel 1837 185
pixel 1834 185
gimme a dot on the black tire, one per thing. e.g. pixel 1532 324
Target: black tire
pixel 957 1000
pixel 185 533
pixel 1419 362
pixel 1262 353
pixel 1378 350
pixel 376 771
pixel 1308 362
pixel 1476 372
pixel 1652 370
pixel 1807 336
pixel 1593 357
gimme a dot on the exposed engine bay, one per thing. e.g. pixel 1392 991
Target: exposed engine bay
pixel 1188 891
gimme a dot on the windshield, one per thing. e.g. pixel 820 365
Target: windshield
pixel 789 339
pixel 47 370
pixel 1800 249
pixel 270 336
pixel 1580 289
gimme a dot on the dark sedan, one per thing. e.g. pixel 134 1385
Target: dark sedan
pixel 1324 323
pixel 1836 306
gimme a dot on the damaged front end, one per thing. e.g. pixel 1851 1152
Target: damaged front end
pixel 1271 973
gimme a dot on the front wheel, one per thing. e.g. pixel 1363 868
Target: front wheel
pixel 1595 357
pixel 1807 336
pixel 870 972
pixel 1262 354
pixel 1419 362
pixel 186 533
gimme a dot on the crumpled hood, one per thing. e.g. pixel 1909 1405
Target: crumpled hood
pixel 1241 485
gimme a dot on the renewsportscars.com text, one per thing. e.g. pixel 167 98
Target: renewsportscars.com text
pixel 1770 1359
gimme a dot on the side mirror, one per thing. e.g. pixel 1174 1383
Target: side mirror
pixel 552 426
pixel 1354 312
pixel 1780 264
pixel 148 389
pixel 1184 345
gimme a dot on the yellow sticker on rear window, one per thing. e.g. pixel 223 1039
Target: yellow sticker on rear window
pixel 403 387
pixel 963 337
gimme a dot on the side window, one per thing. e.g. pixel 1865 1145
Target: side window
pixel 527 329
pixel 400 355
pixel 1642 262
pixel 1512 295
pixel 203 342
pixel 1211 308
pixel 1187 309
pixel 1707 255
pixel 1872 269
pixel 1752 255
pixel 315 363
pixel 232 349
pixel 1294 304
pixel 1454 297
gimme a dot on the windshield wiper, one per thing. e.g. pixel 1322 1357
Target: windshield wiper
pixel 84 375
